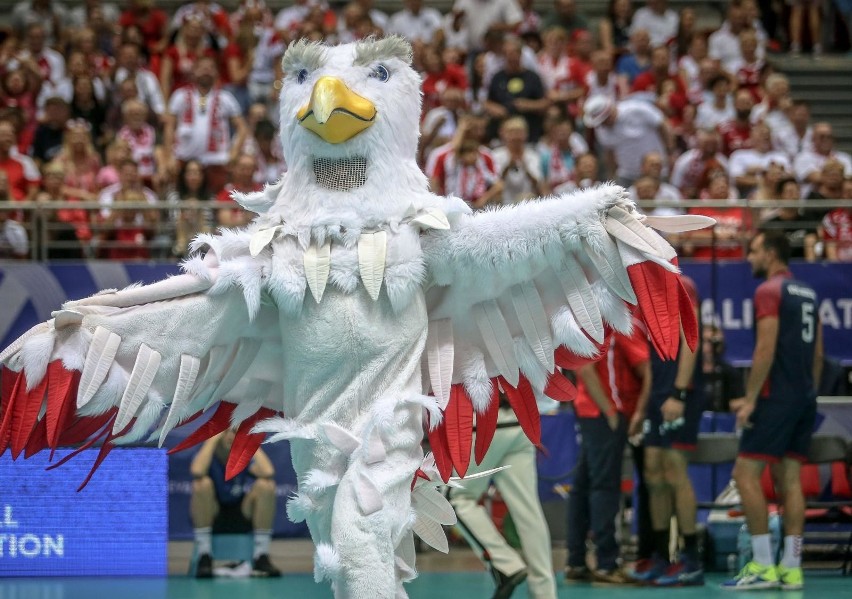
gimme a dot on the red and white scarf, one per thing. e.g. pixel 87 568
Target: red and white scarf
pixel 141 146
pixel 216 134
pixel 557 171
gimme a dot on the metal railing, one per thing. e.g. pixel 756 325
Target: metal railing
pixel 171 225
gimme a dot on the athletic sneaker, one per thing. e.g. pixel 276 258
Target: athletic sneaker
pixel 792 579
pixel 753 577
pixel 262 567
pixel 684 573
pixel 616 577
pixel 577 574
pixel 647 570
pixel 204 566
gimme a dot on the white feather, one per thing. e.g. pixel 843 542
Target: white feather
pixel 372 253
pixel 317 262
pixel 317 481
pixel 339 437
pixel 498 341
pixel 144 369
pixel 189 366
pixel 624 226
pixel 432 218
pixel 533 319
pixel 376 451
pixel 476 380
pixel 530 365
pixel 260 239
pixel 367 495
pixel 680 223
pixel 299 507
pixel 440 352
pixel 431 533
pixel 327 565
pixel 98 361
pixel 431 503
pixel 35 354
pixel 608 263
pixel 579 295
pixel 66 318
pixel 568 333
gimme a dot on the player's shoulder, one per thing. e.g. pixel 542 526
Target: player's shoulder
pixel 798 288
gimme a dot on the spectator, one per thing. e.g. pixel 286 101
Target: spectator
pixel 798 224
pixel 749 69
pixel 289 19
pixel 85 106
pixel 266 66
pixel 50 133
pixel 99 63
pixel 637 60
pixel 495 55
pixel 180 58
pixel 415 22
pixel 129 66
pixel 686 32
pixel 79 16
pixel 585 175
pixel 531 23
pixel 245 502
pixel 565 15
pixel 748 165
pixel 649 189
pixel 653 85
pixel 671 432
pixel 830 187
pixel 627 130
pixel 689 69
pixel 270 161
pixel 609 393
pixel 614 27
pixel 658 20
pixel 20 90
pixel 49 13
pixel 767 184
pixel 142 139
pixel 776 104
pixel 230 214
pixel 19 183
pixel 439 76
pixel 127 231
pixel 517 486
pixel 476 17
pixel 518 164
pixel 567 75
pixel 213 18
pixel 116 153
pixel 693 168
pixel 721 109
pixel 80 161
pixel 602 80
pixel 722 381
pixel 729 233
pixel 515 90
pixel 724 43
pixel 151 21
pixel 14 242
pixel 777 412
pixel 472 179
pixel 798 137
pixel 199 123
pixel 554 63
pixel 653 164
pixel 836 230
pixel 797 8
pixel 239 57
pixel 559 158
pixel 67 229
pixel 808 165
pixel 440 124
pixel 736 133
pixel 192 193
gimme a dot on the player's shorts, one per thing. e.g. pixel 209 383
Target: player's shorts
pixel 779 429
pixel 231 520
pixel 683 437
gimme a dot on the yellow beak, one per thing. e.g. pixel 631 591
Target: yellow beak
pixel 335 112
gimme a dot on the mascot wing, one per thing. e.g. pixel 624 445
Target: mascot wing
pixel 121 367
pixel 517 292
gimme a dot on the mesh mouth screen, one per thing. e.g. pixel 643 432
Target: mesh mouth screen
pixel 340 174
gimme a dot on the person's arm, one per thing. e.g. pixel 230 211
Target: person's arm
pixel 605 35
pixel 609 163
pixel 589 375
pixel 819 355
pixel 537 106
pixel 643 371
pixel 495 109
pixel 261 466
pixel 169 125
pixel 239 69
pixel 200 464
pixel 673 407
pixel 761 364
pixel 166 71
pixel 494 192
pixel 239 125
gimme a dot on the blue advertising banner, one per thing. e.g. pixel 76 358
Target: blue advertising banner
pixel 727 298
pixel 116 526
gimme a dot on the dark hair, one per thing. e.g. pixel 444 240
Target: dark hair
pixel 183 190
pixel 779 187
pixel 264 129
pixel 778 242
pixel 716 79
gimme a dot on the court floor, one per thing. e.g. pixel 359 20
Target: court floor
pixel 430 585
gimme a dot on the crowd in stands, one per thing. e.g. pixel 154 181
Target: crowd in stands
pixel 113 103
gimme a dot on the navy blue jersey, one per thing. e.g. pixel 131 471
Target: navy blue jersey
pixel 229 491
pixel 794 304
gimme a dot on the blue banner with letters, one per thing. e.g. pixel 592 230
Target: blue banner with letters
pixel 727 297
pixel 116 526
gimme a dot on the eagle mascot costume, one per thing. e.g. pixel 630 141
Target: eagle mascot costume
pixel 355 312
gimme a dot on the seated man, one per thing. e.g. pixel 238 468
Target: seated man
pixel 243 503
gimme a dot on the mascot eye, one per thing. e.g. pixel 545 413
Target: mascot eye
pixel 302 76
pixel 381 73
